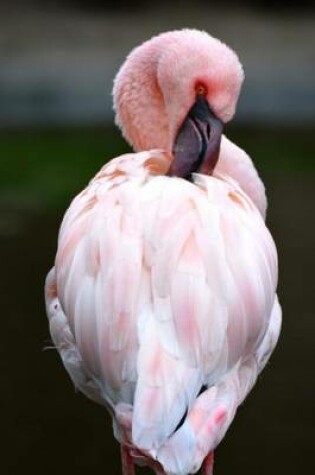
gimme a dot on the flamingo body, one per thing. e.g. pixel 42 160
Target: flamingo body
pixel 162 301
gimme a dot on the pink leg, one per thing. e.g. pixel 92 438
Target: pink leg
pixel 208 464
pixel 127 464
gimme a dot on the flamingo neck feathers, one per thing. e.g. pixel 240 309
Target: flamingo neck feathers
pixel 138 100
pixel 156 86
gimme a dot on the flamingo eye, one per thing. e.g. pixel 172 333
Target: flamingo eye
pixel 201 89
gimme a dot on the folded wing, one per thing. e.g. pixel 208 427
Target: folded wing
pixel 161 289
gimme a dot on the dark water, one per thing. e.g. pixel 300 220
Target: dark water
pixel 49 429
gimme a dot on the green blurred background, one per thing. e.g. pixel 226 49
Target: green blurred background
pixel 57 63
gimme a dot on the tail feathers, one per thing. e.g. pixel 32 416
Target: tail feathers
pixel 205 426
pixel 176 455
pixel 207 422
pixel 158 411
pixel 166 389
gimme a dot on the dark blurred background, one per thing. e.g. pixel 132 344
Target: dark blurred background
pixel 57 63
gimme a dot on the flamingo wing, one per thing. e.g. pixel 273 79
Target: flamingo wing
pixel 235 162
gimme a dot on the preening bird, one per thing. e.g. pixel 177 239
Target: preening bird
pixel 162 300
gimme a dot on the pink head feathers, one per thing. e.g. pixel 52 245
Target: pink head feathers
pixel 157 85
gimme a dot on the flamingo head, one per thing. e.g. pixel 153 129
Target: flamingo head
pixel 175 92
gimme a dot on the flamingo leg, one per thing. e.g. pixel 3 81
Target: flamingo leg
pixel 127 464
pixel 207 467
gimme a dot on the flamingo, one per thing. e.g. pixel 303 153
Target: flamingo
pixel 162 300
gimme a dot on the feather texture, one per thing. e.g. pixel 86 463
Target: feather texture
pixel 161 287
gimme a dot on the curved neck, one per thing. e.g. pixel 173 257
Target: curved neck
pixel 139 104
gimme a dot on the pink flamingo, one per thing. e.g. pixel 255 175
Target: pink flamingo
pixel 162 301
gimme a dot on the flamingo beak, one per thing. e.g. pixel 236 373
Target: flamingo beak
pixel 197 145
